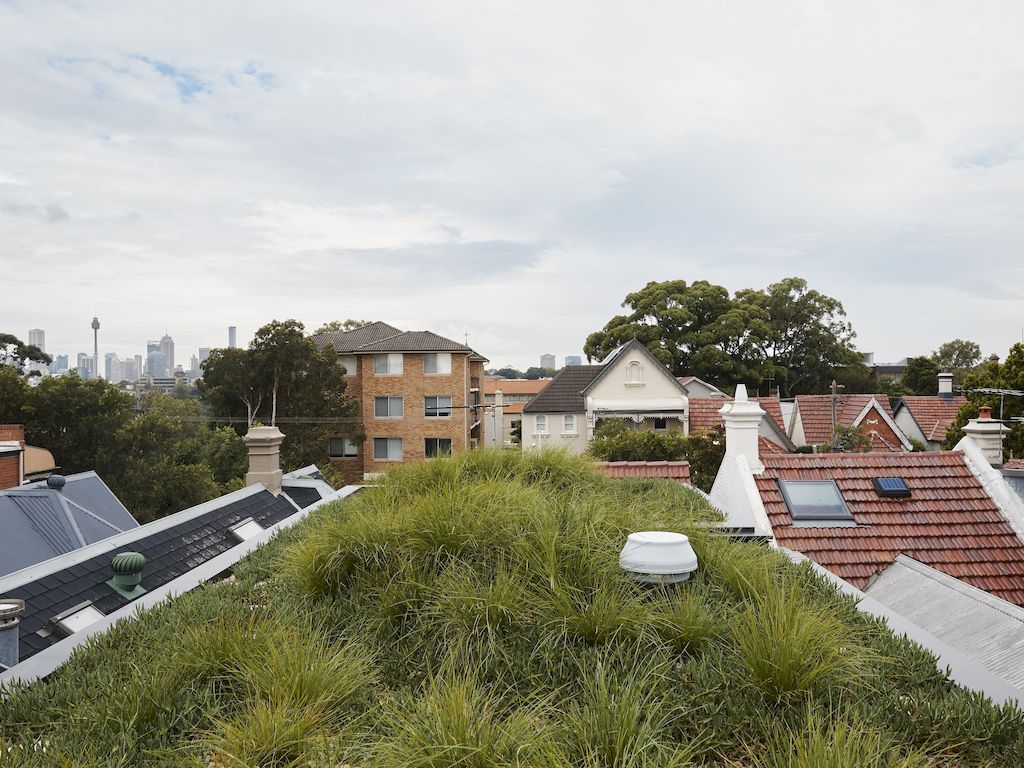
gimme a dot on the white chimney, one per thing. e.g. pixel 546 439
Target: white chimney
pixel 742 423
pixel 988 434
pixel 264 445
pixel 945 385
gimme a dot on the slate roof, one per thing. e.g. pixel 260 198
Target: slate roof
pixel 301 495
pixel 38 522
pixel 171 546
pixel 932 413
pixel 350 341
pixel 664 470
pixel 949 522
pixel 816 413
pixel 564 393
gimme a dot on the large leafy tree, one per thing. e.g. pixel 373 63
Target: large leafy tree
pixel 1008 375
pixel 342 325
pixel 958 357
pixel 921 376
pixel 15 353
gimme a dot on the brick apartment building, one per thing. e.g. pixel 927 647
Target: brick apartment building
pixel 419 397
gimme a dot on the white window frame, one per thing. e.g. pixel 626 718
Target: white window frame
pixel 569 424
pixel 540 424
pixel 437 451
pixel 634 374
pixel 387 364
pixel 442 363
pixel 446 412
pixel 349 448
pixel 389 445
pixel 390 402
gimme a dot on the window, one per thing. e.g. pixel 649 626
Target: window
pixel 660 424
pixel 387 448
pixel 246 529
pixel 388 407
pixel 568 425
pixel 387 365
pixel 818 500
pixel 77 618
pixel 348 362
pixel 343 448
pixel 437 446
pixel 437 362
pixel 634 372
pixel 542 424
pixel 436 407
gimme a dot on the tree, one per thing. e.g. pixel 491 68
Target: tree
pixel 508 372
pixel 230 381
pixel 958 357
pixel 921 376
pixel 851 439
pixel 341 325
pixel 994 375
pixel 536 372
pixel 17 354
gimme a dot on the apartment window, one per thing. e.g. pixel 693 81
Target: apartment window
pixel 437 446
pixel 437 406
pixel 343 448
pixel 541 424
pixel 388 407
pixel 660 424
pixel 348 362
pixel 568 425
pixel 634 372
pixel 387 365
pixel 437 362
pixel 387 448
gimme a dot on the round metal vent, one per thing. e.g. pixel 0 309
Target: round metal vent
pixel 658 557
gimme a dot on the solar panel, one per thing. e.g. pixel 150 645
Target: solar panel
pixel 891 487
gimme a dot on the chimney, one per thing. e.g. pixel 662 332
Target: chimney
pixel 10 618
pixel 946 385
pixel 988 434
pixel 742 422
pixel 264 444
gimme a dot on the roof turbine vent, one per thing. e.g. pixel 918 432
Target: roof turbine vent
pixel 658 557
pixel 56 482
pixel 127 568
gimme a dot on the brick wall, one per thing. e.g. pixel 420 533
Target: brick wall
pixel 873 422
pixel 12 432
pixel 10 470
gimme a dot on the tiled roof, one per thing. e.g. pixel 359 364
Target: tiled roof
pixel 512 408
pixel 513 386
pixel 350 341
pixel 949 522
pixel 415 341
pixel 932 413
pixel 665 470
pixel 704 411
pixel 563 393
pixel 816 413
pixel 1014 464
pixel 170 551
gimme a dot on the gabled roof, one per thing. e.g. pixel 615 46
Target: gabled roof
pixel 349 341
pixel 172 546
pixel 686 381
pixel 664 470
pixel 381 337
pixel 564 393
pixel 38 522
pixel 949 522
pixel 704 416
pixel 932 413
pixel 816 414
pixel 609 362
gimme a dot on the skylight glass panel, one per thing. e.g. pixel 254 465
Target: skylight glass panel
pixel 817 500
pixel 246 529
pixel 78 618
pixel 891 487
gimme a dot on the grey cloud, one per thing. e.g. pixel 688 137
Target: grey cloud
pixel 56 212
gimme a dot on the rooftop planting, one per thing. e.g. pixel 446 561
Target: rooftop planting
pixel 470 612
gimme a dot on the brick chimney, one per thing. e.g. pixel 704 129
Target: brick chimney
pixel 742 422
pixel 264 445
pixel 988 434
pixel 946 385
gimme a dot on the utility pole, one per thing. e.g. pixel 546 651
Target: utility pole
pixel 835 412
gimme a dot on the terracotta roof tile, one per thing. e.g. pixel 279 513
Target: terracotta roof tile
pixel 665 470
pixel 513 386
pixel 932 413
pixel 949 522
pixel 704 411
pixel 816 413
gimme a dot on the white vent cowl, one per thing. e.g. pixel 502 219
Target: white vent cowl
pixel 658 557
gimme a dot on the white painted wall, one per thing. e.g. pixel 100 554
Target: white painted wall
pixel 910 427
pixel 554 437
pixel 657 382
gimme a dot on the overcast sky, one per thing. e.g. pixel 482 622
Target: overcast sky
pixel 507 170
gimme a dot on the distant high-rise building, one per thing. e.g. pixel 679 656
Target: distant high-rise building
pixel 547 361
pixel 194 368
pixel 573 360
pixel 138 369
pixel 37 337
pixel 231 337
pixel 129 371
pixel 167 348
pixel 204 352
pixel 59 365
pixel 86 368
pixel 156 365
pixel 112 368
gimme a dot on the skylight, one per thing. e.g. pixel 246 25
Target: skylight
pixel 891 487
pixel 815 500
pixel 77 618
pixel 246 529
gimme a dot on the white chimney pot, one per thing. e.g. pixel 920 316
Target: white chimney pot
pixel 742 425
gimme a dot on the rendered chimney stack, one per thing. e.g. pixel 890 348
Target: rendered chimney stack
pixel 988 434
pixel 945 385
pixel 742 423
pixel 10 618
pixel 264 445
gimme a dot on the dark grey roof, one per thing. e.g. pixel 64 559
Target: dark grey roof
pixel 564 393
pixel 38 523
pixel 416 341
pixel 350 341
pixel 301 495
pixel 171 546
